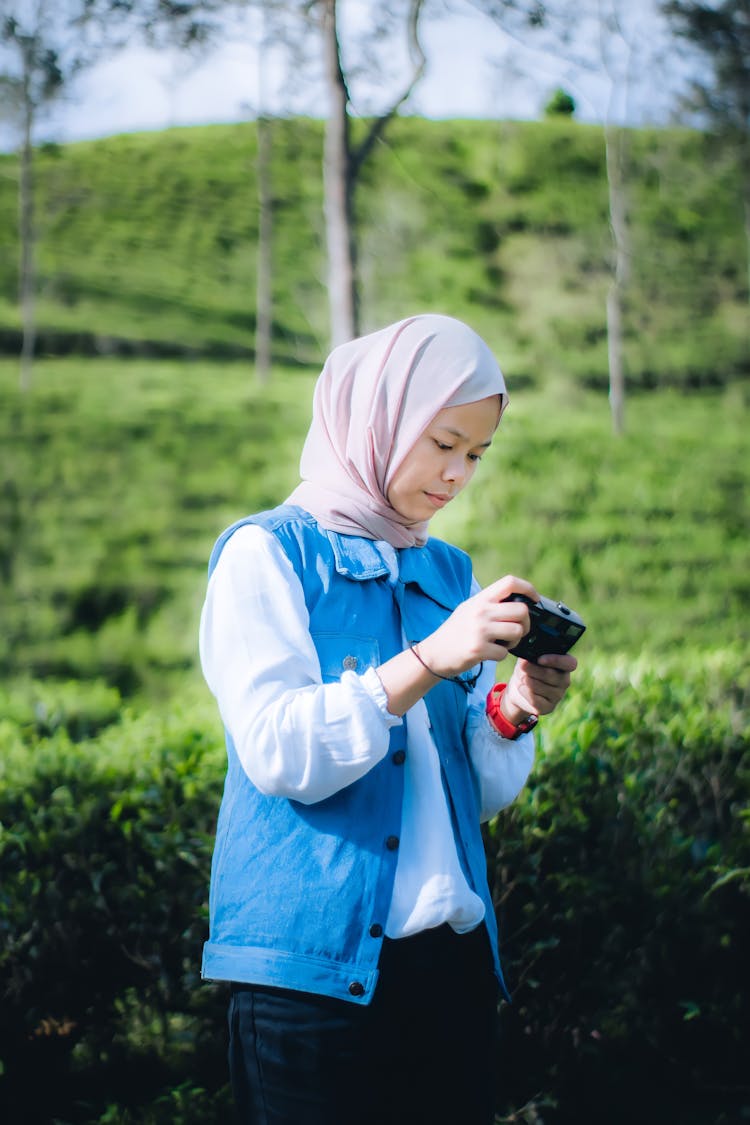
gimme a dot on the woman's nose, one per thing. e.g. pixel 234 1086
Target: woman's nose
pixel 455 469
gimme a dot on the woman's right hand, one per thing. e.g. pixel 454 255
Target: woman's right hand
pixel 484 627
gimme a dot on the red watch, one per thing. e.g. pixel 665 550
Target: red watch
pixel 504 727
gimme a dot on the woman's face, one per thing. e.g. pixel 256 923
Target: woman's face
pixel 444 459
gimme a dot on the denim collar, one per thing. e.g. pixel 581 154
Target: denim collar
pixel 357 558
pixel 363 559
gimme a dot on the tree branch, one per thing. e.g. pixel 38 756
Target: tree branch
pixel 379 124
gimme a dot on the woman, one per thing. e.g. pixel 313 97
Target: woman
pixel 353 658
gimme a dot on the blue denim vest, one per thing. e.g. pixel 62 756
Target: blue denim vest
pixel 300 893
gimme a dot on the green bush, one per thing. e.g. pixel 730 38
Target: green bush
pixel 620 876
pixel 560 104
pixel 104 852
pixel 80 707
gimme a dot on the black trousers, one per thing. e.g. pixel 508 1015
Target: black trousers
pixel 422 1053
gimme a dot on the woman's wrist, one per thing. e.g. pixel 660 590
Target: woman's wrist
pixel 430 655
pixel 414 647
pixel 405 680
pixel 507 718
pixel 512 712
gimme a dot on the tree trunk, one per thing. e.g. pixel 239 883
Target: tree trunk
pixel 614 142
pixel 746 208
pixel 27 279
pixel 263 298
pixel 338 183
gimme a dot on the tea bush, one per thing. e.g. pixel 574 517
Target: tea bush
pixel 116 477
pixel 147 245
pixel 103 866
pixel 620 876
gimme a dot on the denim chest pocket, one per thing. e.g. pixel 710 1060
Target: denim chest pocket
pixel 342 652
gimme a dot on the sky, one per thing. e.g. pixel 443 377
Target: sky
pixel 474 70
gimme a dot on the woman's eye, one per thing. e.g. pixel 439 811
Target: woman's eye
pixel 442 445
pixel 475 457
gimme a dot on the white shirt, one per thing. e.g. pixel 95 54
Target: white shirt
pixel 299 738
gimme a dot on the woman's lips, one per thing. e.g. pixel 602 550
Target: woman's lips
pixel 439 499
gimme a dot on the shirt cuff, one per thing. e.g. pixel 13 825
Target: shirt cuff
pixel 372 683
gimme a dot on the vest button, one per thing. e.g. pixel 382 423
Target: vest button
pixel 399 758
pixel 376 930
pixel 392 843
pixel 350 663
pixel 356 988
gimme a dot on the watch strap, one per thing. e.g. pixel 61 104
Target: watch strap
pixel 504 727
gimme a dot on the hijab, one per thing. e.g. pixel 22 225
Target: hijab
pixel 374 398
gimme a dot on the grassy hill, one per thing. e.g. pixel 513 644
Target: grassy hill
pixel 147 245
pixel 117 471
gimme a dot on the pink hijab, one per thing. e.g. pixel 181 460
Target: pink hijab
pixel 373 399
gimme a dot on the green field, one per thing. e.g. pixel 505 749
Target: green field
pixel 147 245
pixel 118 475
pixel 621 874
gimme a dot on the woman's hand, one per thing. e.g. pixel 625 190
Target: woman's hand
pixel 483 627
pixel 536 689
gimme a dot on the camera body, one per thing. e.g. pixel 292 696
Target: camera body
pixel 554 628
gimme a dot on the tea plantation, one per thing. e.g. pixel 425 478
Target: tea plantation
pixel 622 873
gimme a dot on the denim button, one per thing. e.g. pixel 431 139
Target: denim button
pixel 392 843
pixel 350 663
pixel 376 930
pixel 356 988
pixel 399 758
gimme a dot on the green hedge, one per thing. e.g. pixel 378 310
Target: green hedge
pixel 104 851
pixel 620 876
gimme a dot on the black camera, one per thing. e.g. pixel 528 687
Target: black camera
pixel 554 628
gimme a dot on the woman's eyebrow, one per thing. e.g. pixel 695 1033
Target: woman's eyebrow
pixel 465 437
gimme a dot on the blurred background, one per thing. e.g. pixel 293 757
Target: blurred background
pixel 197 200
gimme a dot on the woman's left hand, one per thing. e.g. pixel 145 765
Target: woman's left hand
pixel 536 689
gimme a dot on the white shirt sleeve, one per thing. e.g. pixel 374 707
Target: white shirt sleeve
pixel 502 765
pixel 295 736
